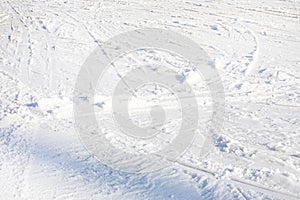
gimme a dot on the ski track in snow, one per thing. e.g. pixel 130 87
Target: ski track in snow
pixel 254 47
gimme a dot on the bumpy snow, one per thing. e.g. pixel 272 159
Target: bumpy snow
pixel 254 46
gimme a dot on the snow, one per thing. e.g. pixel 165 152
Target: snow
pixel 254 45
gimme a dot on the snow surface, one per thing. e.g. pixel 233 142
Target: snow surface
pixel 254 46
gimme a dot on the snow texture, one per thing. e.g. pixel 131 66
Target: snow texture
pixel 254 45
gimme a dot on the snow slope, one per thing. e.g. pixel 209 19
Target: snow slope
pixel 254 46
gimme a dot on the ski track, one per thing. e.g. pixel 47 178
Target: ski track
pixel 42 46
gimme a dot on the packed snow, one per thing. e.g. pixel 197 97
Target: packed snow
pixel 254 46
